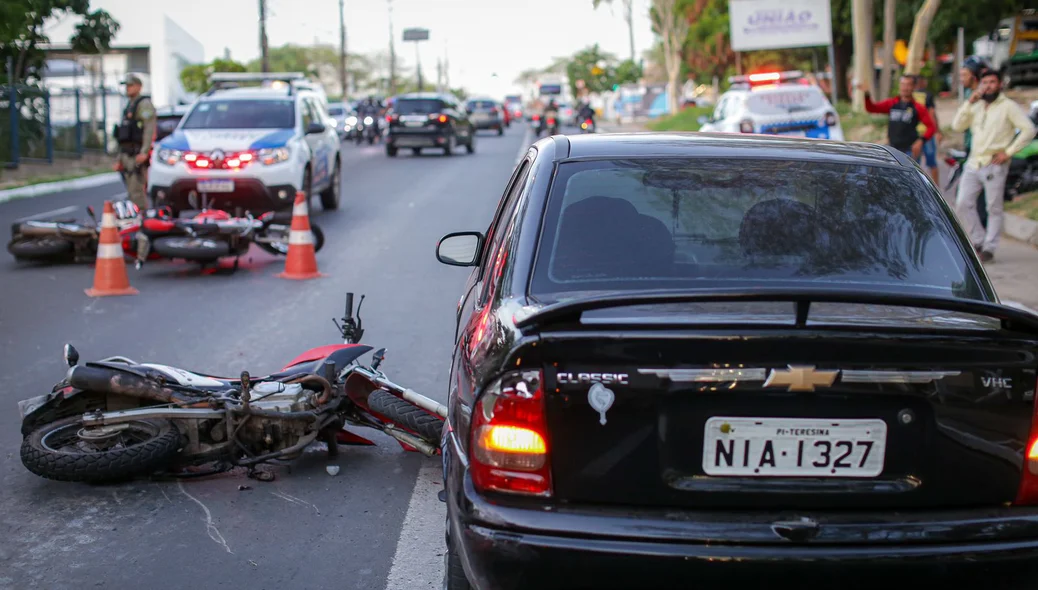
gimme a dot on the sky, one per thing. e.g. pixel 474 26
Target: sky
pixel 480 37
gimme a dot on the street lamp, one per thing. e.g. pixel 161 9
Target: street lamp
pixel 417 35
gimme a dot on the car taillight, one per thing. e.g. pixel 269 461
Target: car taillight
pixel 442 118
pixel 1027 495
pixel 746 126
pixel 830 119
pixel 509 446
pixel 551 121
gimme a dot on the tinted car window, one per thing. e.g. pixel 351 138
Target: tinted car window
pixel 418 106
pixel 164 126
pixel 242 114
pixel 336 111
pixel 710 223
pixel 481 104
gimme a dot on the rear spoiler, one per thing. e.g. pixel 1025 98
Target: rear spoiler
pixel 1011 318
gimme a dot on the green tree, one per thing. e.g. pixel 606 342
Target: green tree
pixel 195 78
pixel 628 6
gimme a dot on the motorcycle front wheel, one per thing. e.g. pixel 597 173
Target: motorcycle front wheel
pixel 66 450
pixel 280 247
pixel 43 248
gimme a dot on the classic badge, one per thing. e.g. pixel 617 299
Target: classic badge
pixel 797 378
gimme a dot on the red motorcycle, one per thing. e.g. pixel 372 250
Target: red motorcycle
pixel 117 419
pixel 56 236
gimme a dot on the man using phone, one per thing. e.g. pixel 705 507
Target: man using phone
pixel 905 117
pixel 993 119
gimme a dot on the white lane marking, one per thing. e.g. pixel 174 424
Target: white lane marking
pixel 210 526
pixel 524 145
pixel 418 562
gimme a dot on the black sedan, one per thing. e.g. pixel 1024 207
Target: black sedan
pixel 734 361
pixel 429 120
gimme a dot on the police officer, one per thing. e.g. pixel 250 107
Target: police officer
pixel 134 133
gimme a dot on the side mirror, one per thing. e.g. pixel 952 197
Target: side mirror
pixel 703 119
pixel 315 127
pixel 71 355
pixel 460 248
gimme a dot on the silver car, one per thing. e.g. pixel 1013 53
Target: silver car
pixel 486 114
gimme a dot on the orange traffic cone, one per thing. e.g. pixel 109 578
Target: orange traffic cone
pixel 110 271
pixel 301 263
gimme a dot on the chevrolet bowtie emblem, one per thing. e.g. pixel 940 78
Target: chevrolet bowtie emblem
pixel 216 156
pixel 800 378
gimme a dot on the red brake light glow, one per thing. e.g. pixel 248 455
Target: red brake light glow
pixel 1027 495
pixel 232 161
pixel 443 118
pixel 509 445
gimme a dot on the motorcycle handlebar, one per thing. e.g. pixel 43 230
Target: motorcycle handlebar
pixel 349 305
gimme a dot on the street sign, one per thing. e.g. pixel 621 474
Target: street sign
pixel 416 34
pixel 779 24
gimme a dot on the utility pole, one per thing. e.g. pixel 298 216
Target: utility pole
pixel 418 65
pixel 392 51
pixel 446 69
pixel 264 54
pixel 439 74
pixel 342 50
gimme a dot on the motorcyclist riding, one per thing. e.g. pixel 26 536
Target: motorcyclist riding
pixel 369 108
pixel 586 114
pixel 551 111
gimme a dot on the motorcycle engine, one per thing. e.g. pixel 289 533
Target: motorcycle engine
pixel 264 434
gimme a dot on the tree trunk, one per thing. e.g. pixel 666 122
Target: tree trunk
pixel 673 30
pixel 920 31
pixel 863 65
pixel 889 39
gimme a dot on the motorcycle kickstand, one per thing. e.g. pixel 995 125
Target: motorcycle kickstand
pixel 332 442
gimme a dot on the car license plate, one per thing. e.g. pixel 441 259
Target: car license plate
pixel 414 123
pixel 216 186
pixel 793 447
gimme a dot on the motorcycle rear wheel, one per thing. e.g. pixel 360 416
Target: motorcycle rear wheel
pixel 61 452
pixel 194 249
pixel 404 413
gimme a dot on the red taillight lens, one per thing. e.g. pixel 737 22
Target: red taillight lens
pixel 1028 492
pixel 746 127
pixel 509 446
pixel 232 161
pixel 551 121
pixel 830 119
pixel 442 119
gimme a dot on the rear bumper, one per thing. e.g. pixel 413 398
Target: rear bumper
pixel 507 547
pixel 437 138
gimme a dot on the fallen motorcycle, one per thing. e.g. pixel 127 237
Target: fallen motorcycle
pixel 214 234
pixel 117 419
pixel 56 236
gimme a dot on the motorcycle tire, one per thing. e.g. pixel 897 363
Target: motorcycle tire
pixel 188 248
pixel 40 248
pixel 281 248
pixel 409 416
pixel 160 443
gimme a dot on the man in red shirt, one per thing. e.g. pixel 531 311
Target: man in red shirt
pixel 906 114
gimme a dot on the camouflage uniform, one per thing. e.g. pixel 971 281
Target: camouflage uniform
pixel 143 118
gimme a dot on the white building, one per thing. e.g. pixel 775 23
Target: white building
pixel 148 43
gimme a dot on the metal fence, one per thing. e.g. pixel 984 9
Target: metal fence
pixel 39 125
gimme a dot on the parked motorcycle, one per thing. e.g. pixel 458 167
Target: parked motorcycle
pixel 214 234
pixel 56 236
pixel 117 419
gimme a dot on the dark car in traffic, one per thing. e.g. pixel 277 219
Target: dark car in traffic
pixel 428 120
pixel 486 114
pixel 167 119
pixel 721 361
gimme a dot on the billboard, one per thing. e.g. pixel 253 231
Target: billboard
pixel 779 24
pixel 416 34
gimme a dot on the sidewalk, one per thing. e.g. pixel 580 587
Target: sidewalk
pixel 1015 273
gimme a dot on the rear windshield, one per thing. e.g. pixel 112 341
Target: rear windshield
pixel 785 100
pixel 710 223
pixel 336 111
pixel 481 104
pixel 242 114
pixel 417 106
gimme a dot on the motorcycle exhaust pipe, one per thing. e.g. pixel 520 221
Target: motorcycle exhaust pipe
pixel 119 382
pixel 406 437
pixel 425 403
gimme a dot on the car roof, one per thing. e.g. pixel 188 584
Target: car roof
pixel 725 145
pixel 420 95
pixel 256 93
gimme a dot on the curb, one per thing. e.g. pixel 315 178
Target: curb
pixel 1021 228
pixel 46 188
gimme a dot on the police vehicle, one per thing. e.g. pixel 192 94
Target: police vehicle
pixel 250 148
pixel 775 103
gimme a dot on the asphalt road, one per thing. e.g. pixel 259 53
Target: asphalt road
pixel 307 529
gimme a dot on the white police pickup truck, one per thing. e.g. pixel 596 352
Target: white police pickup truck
pixel 249 148
pixel 774 103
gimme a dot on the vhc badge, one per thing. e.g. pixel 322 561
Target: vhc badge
pixel 601 399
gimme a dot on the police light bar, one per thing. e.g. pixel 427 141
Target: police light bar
pixel 217 77
pixel 766 78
